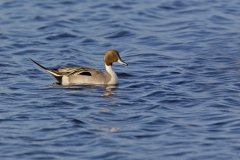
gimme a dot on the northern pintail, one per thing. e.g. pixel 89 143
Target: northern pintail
pixel 85 75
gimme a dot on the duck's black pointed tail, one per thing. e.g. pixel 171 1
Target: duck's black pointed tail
pixel 51 71
pixel 39 64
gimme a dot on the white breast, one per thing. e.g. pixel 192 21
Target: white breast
pixel 114 78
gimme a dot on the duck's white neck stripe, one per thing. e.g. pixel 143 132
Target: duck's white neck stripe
pixel 114 78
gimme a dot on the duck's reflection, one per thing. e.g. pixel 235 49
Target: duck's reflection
pixel 108 90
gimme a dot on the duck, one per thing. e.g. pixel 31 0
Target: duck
pixel 77 75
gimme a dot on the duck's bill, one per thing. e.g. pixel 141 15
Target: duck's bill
pixel 122 62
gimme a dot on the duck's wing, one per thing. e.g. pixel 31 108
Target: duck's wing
pixel 75 71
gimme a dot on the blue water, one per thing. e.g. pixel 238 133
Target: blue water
pixel 179 98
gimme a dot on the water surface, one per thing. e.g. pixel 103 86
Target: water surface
pixel 178 98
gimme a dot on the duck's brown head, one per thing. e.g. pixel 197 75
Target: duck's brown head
pixel 112 56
